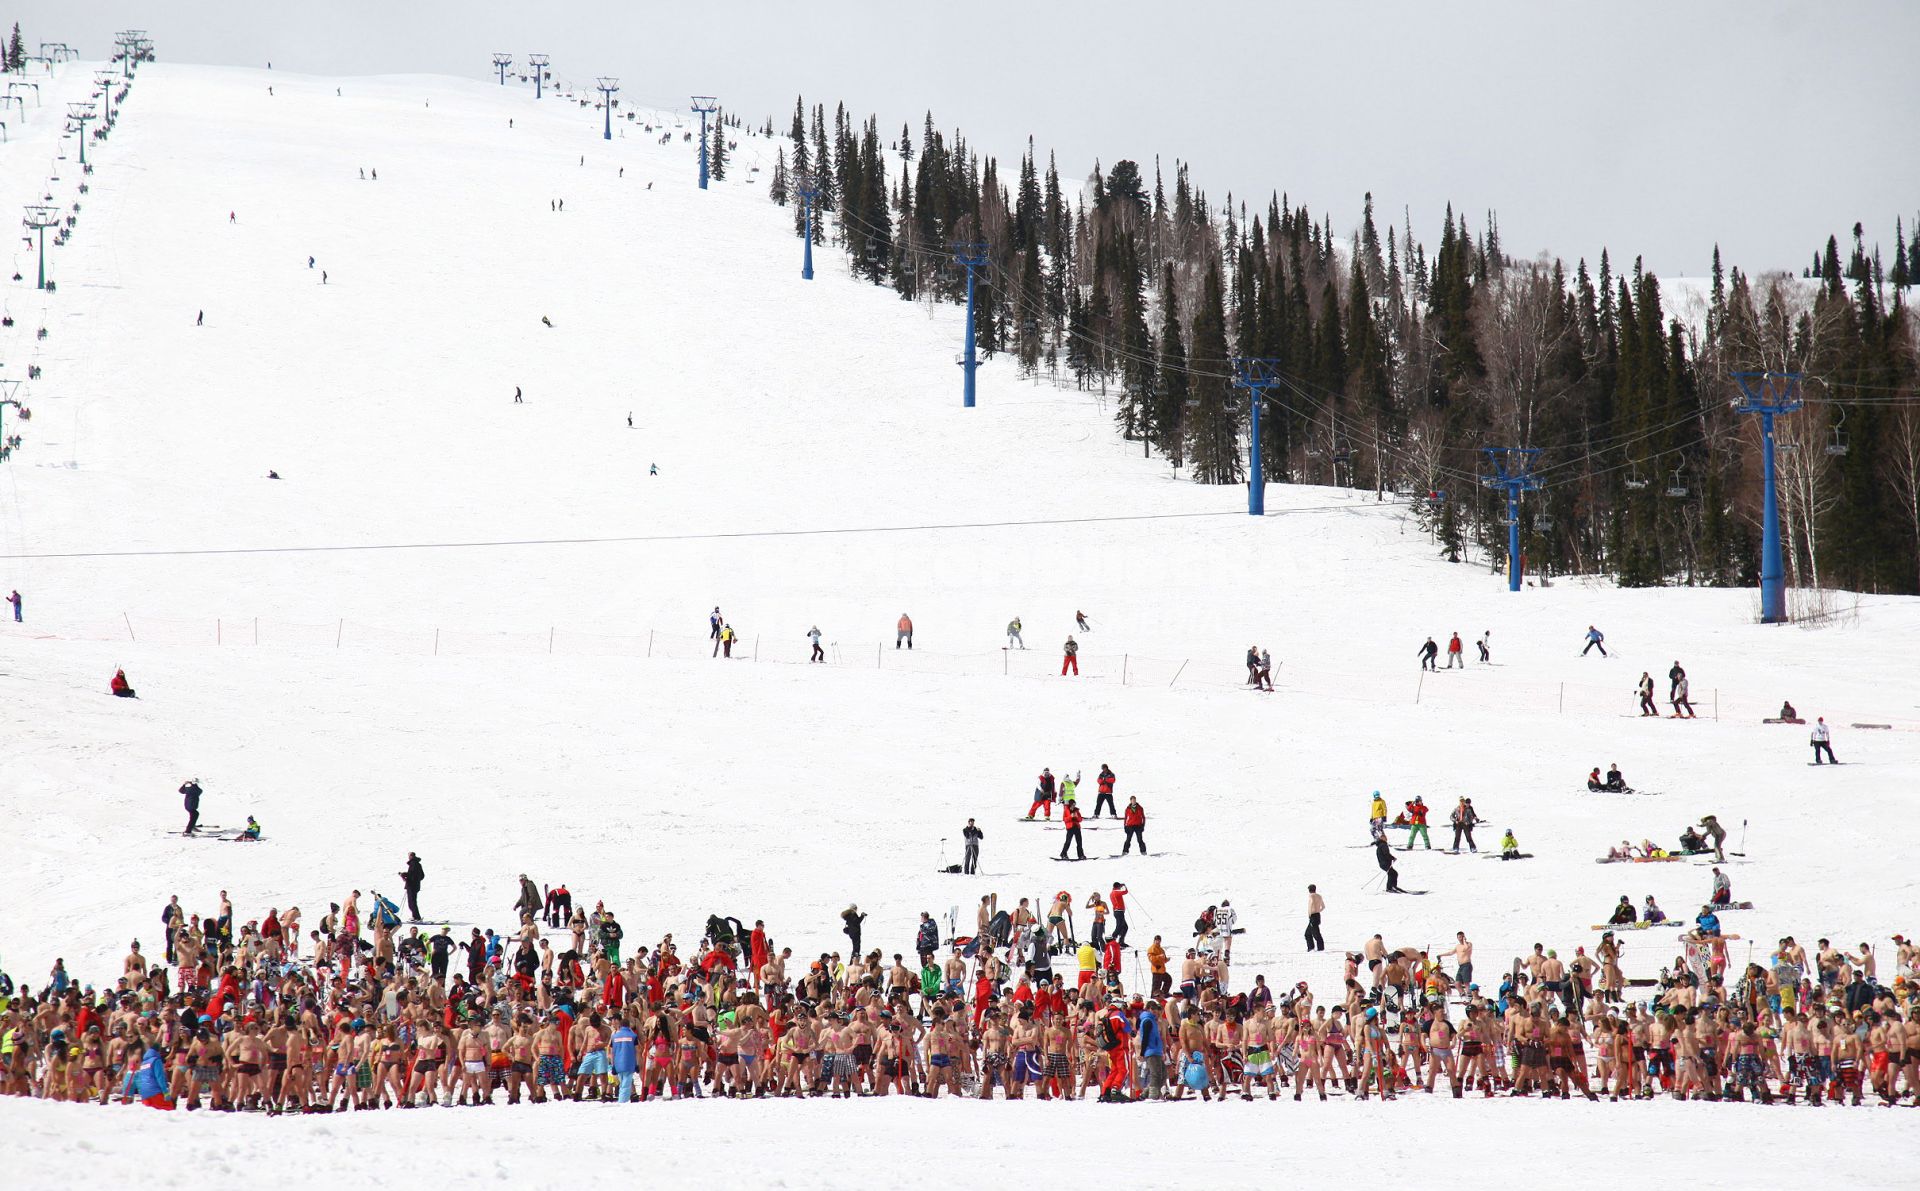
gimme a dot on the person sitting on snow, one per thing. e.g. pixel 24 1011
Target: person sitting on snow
pixel 252 831
pixel 1616 784
pixel 1623 914
pixel 1593 780
pixel 1652 912
pixel 1787 712
pixel 119 686
pixel 1509 846
pixel 1722 889
pixel 1692 842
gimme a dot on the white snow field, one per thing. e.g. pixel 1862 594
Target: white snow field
pixel 554 709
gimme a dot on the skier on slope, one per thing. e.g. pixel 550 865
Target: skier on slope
pixel 813 635
pixel 1013 634
pixel 1043 795
pixel 1070 818
pixel 1427 653
pixel 1383 856
pixel 1454 655
pixel 190 791
pixel 1135 826
pixel 1105 782
pixel 1080 618
pixel 1645 690
pixel 1595 640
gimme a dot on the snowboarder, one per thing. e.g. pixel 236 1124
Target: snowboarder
pixel 972 835
pixel 1377 812
pixel 1454 655
pixel 1594 782
pixel 1013 634
pixel 850 919
pixel 1043 795
pixel 1595 640
pixel 544 319
pixel 190 791
pixel 1383 856
pixel 1616 781
pixel 1135 826
pixel 14 599
pixel 1822 735
pixel 1428 652
pixel 1080 618
pixel 200 319
pixel 1509 846
pixel 250 833
pixel 1623 914
pixel 1070 657
pixel 517 400
pixel 629 419
pixel 1070 818
pixel 1722 889
pixel 1645 689
pixel 119 686
pixel 411 878
pixel 903 631
pixel 1105 785
pixel 813 635
pixel 1486 647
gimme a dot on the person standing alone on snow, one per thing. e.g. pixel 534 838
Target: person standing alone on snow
pixel 1013 634
pixel 1071 650
pixel 1316 906
pixel 1105 785
pixel 1417 815
pixel 14 599
pixel 1428 652
pixel 972 835
pixel 1454 655
pixel 1135 825
pixel 191 793
pixel 903 631
pixel 1383 855
pixel 1595 640
pixel 1070 817
pixel 1822 736
pixel 1463 823
pixel 412 877
pixel 713 623
pixel 813 635
pixel 1486 648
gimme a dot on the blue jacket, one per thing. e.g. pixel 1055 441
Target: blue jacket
pixel 626 1051
pixel 1151 1044
pixel 151 1079
pixel 1709 924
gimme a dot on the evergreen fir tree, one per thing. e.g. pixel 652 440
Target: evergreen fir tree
pixel 1213 427
pixel 1170 389
pixel 16 56
pixel 717 164
pixel 777 189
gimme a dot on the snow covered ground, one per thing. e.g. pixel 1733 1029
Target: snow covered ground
pixel 553 708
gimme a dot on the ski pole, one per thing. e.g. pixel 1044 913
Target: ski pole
pixel 1743 837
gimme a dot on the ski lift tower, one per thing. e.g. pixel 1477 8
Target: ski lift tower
pixel 973 256
pixel 706 105
pixel 809 192
pixel 105 81
pixel 539 64
pixel 1512 471
pixel 607 86
pixel 39 219
pixel 1256 376
pixel 500 64
pixel 81 113
pixel 1769 394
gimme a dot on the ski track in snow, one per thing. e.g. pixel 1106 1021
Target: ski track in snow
pixel 675 786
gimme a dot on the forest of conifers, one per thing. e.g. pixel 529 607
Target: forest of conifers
pixel 1398 363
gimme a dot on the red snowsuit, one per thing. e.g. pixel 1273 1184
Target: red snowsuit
pixel 1118 1067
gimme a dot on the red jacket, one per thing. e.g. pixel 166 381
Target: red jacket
pixel 614 993
pixel 1072 816
pixel 1136 815
pixel 1106 783
pixel 119 682
pixel 758 948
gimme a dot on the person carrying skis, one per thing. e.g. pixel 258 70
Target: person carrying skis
pixel 1383 856
pixel 1427 653
pixel 1070 819
pixel 1071 656
pixel 1105 782
pixel 191 792
pixel 1042 796
pixel 1454 655
pixel 1135 824
pixel 1822 741
pixel 714 621
pixel 1645 690
pixel 1595 640
pixel 1417 815
pixel 813 635
pixel 1013 634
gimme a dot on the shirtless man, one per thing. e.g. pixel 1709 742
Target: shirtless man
pixel 1057 1046
pixel 1260 1062
pixel 475 1086
pixel 995 1062
pixel 1029 1062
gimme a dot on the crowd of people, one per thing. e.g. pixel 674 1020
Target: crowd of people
pixel 367 1012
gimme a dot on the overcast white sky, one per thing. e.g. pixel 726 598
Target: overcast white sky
pixel 1648 127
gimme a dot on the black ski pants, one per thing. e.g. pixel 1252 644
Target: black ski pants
pixel 413 901
pixel 1314 940
pixel 1073 841
pixel 1106 800
pixel 1132 834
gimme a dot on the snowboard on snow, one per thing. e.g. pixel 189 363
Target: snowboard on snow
pixel 1637 925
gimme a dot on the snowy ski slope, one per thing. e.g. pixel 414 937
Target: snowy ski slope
pixel 551 708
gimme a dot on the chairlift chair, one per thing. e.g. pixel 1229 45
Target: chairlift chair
pixel 1837 443
pixel 1635 480
pixel 1677 485
pixel 1542 523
